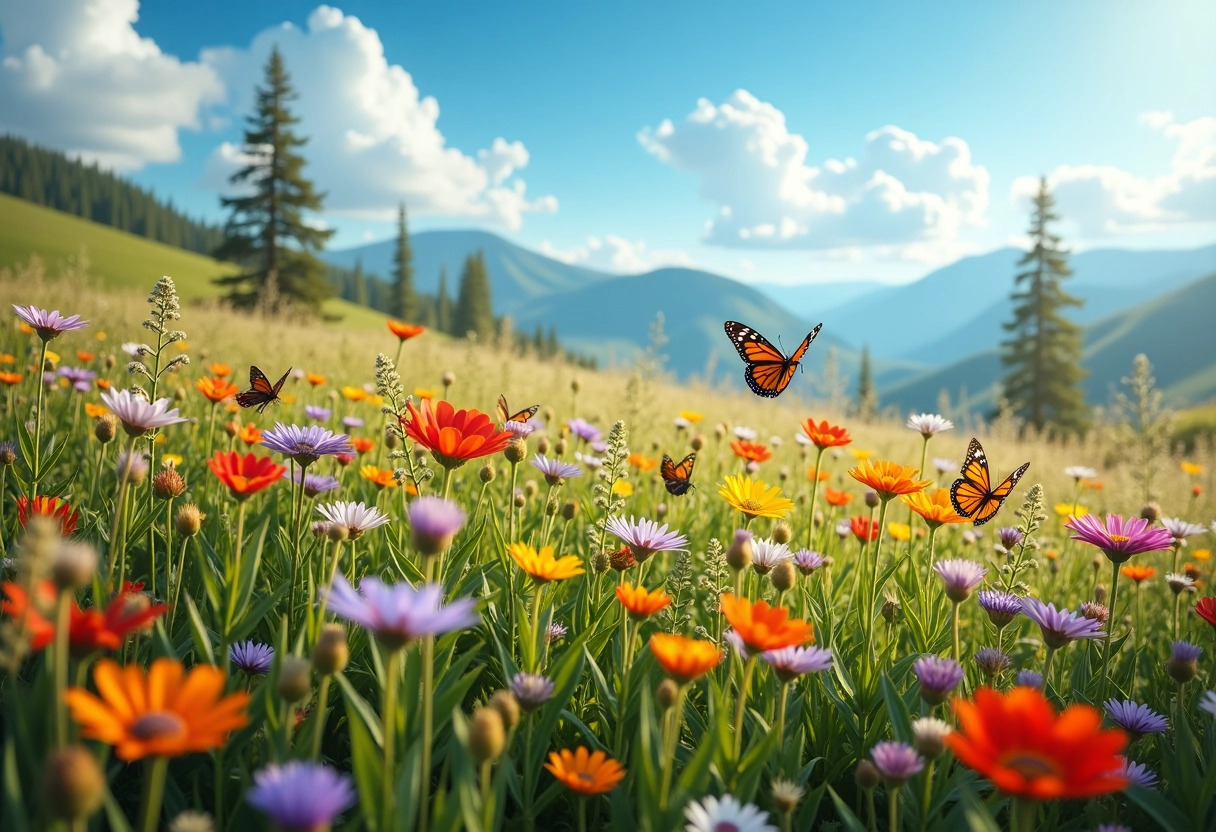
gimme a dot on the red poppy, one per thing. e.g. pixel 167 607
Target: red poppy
pixel 454 436
pixel 90 629
pixel 859 525
pixel 1207 609
pixel 48 507
pixel 245 475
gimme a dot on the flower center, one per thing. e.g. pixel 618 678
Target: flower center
pixel 1029 764
pixel 726 826
pixel 585 777
pixel 751 506
pixel 158 725
pixel 1119 538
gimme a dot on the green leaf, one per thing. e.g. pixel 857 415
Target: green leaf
pixel 851 821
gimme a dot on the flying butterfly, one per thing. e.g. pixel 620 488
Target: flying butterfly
pixel 972 493
pixel 768 370
pixel 261 392
pixel 504 412
pixel 677 478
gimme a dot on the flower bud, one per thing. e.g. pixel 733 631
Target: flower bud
pixel 739 555
pixel 486 474
pixel 602 562
pixel 507 706
pixel 295 679
pixel 8 454
pixel 487 735
pixel 448 378
pixel 336 532
pixel 531 488
pixel 1095 611
pixel 867 775
pixel 569 509
pixel 520 500
pixel 516 452
pixel 188 520
pixel 73 784
pixel 786 795
pixel 73 565
pixel 574 384
pixel 551 507
pixel 697 442
pixel 331 653
pixel 1151 512
pixel 929 737
pixel 542 446
pixel 782 533
pixel 168 484
pixel 390 438
pixel 105 427
pixel 192 821
pixel 667 693
pixel 783 576
pixel 872 499
pixel 890 608
pixel 560 447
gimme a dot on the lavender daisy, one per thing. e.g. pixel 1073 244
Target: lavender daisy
pixel 531 690
pixel 897 762
pixel 1008 538
pixel 929 424
pixel 960 577
pixel 766 554
pixel 522 430
pixel 251 658
pixel 356 517
pixel 938 677
pixel 138 415
pixel 1137 720
pixel 434 522
pixel 78 376
pixel 1029 679
pixel 645 537
pixel 715 814
pixel 399 613
pixel 314 484
pixel 301 796
pixel 991 661
pixel 1119 538
pixel 584 430
pixel 555 470
pixel 48 325
pixel 1139 774
pixel 1060 627
pixel 1002 607
pixel 130 466
pixel 321 414
pixel 306 445
pixel 351 422
pixel 791 662
pixel 807 561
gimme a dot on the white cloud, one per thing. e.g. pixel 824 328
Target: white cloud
pixel 374 139
pixel 75 75
pixel 617 254
pixel 902 189
pixel 1103 200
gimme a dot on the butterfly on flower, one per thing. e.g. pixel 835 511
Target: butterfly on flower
pixel 972 493
pixel 769 370
pixel 261 392
pixel 504 412
pixel 677 478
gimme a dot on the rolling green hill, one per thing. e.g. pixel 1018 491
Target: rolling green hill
pixel 122 260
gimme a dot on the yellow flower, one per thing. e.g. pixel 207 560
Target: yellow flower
pixel 171 460
pixel 1202 554
pixel 52 356
pixel 423 394
pixel 382 477
pixel 181 345
pixel 1065 510
pixel 99 335
pixel 94 410
pixel 691 416
pixel 860 455
pixel 935 508
pixel 542 565
pixel 754 498
pixel 899 531
pixel 623 488
pixel 1192 468
pixel 354 394
pixel 375 401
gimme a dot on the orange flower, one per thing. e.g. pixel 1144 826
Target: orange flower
pixel 88 630
pixel 245 475
pixel 7 358
pixel 684 659
pixel 362 444
pixel 425 394
pixel 219 370
pixel 1192 468
pixel 1017 741
pixel 103 384
pixel 94 410
pixel 315 379
pixel 585 772
pixel 382 477
pixel 824 435
pixel 1137 573
pixel 888 478
pixel 542 566
pixel 639 601
pixel 48 507
pixel 837 498
pixel 405 331
pixel 814 473
pixel 84 357
pixel 934 508
pixel 216 389
pixel 11 378
pixel 751 451
pixel 249 434
pixel 164 713
pixel 864 527
pixel 354 394
pixel 763 627
pixel 642 462
pixel 454 436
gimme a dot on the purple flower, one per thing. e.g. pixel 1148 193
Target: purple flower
pixel 1009 537
pixel 645 537
pixel 1137 720
pixel 130 466
pixel 137 414
pixel 531 690
pixel 321 414
pixel 48 325
pixel 434 521
pixel 1119 538
pixel 251 657
pixel 1184 651
pixel 301 796
pixel 1029 679
pixel 599 446
pixel 9 452
pixel 1178 528
pixel 938 676
pixel 583 430
pixel 766 554
pixel 897 762
pixel 556 631
pixel 306 445
pixel 314 484
pixel 807 561
pixel 1139 774
pixel 356 517
pixel 399 613
pixel 1060 627
pixel 1182 664
pixel 77 375
pixel 351 422
pixel 960 576
pixel 554 469
pixel 791 662
pixel 1002 607
pixel 1112 827
pixel 522 430
pixel 991 661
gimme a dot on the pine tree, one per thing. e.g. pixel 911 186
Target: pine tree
pixel 359 284
pixel 443 303
pixel 266 232
pixel 474 311
pixel 867 397
pixel 1043 354
pixel 405 297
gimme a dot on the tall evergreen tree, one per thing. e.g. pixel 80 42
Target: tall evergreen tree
pixel 443 303
pixel 359 284
pixel 867 396
pixel 474 310
pixel 266 232
pixel 1043 352
pixel 405 297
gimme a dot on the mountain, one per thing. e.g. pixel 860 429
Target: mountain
pixel 814 300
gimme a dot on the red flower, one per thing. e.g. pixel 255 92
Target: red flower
pixel 454 436
pixel 48 507
pixel 405 331
pixel 859 525
pixel 1207 609
pixel 90 629
pixel 245 475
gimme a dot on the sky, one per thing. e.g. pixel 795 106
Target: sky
pixel 773 142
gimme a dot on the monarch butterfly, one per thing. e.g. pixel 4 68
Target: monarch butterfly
pixel 972 493
pixel 768 370
pixel 261 392
pixel 677 477
pixel 521 417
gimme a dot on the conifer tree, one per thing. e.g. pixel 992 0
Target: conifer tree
pixel 405 297
pixel 1043 353
pixel 474 311
pixel 867 396
pixel 443 303
pixel 359 284
pixel 266 232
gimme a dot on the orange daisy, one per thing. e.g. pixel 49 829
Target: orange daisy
pixel 165 712
pixel 837 498
pixel 7 358
pixel 751 451
pixel 89 629
pixel 762 627
pixel 542 566
pixel 219 369
pixel 935 509
pixel 354 394
pixel 1137 573
pixel 1017 741
pixel 642 462
pixel 382 477
pixel 684 659
pixel 405 331
pixel 819 474
pixel 103 384
pixel 85 357
pixel 889 479
pixel 94 410
pixel 10 378
pixel 825 435
pixel 250 434
pixel 216 389
pixel 639 601
pixel 315 379
pixel 585 772
pixel 454 436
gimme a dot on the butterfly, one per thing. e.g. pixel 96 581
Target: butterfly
pixel 677 477
pixel 261 392
pixel 768 370
pixel 972 493
pixel 521 417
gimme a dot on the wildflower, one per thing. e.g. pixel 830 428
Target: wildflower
pixel 405 331
pixel 556 631
pixel 397 614
pixel 1070 510
pixel 766 554
pixel 251 658
pixel 824 435
pixel 320 414
pixel 314 484
pixel 1029 679
pixel 300 796
pixel 216 389
pixel 864 528
pixel 1118 538
pixel 929 736
pixel 250 434
pixel 928 424
pixel 1138 774
pixel 1180 529
pixel 1206 609
pixel 938 676
pixel 1060 627
pixel 761 627
pixel 1002 607
pixel 640 602
pixel 131 467
pixel 542 566
pixel 48 325
pixel 88 630
pixel 896 762
pixel 585 772
pixel 138 415
pixel 889 479
pixel 1179 583
pixel 837 498
pixel 555 470
pixel 1137 720
pixel 646 537
pixel 315 379
pixel 531 690
pixel 1017 741
pixel 1209 702
pixel 960 577
pixel 1182 663
pixel 584 430
pixel 942 465
pixel 164 712
pixel 807 561
pixel 382 477
pixel 642 462
pixel 454 436
pixel 353 394
pixel 1009 538
pixel 713 814
pixel 684 659
pixel 992 661
pixel 1080 472
pixel 305 445
pixel 434 522
pixel 750 451
pixel 11 378
pixel 754 498
pixel 52 507
pixel 245 475
pixel 788 663
pixel 357 518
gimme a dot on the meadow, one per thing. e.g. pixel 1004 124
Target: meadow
pixel 375 606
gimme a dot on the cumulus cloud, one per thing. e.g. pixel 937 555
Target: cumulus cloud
pixel 617 254
pixel 75 75
pixel 374 139
pixel 1103 200
pixel 901 190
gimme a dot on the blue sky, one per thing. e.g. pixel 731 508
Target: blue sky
pixel 787 142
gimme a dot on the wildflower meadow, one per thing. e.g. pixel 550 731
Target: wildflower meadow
pixel 372 601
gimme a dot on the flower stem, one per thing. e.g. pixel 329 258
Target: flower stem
pixel 63 622
pixel 154 792
pixel 319 718
pixel 37 466
pixel 893 809
pixel 740 707
pixel 1110 627
pixel 118 528
pixel 675 724
pixel 810 523
pixel 954 631
pixel 388 720
pixel 428 718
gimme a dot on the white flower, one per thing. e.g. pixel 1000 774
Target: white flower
pixel 137 414
pixel 766 554
pixel 929 424
pixel 356 517
pixel 1209 702
pixel 1080 472
pixel 712 814
pixel 1181 529
pixel 745 433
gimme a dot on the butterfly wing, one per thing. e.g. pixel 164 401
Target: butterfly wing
pixel 973 487
pixel 278 385
pixel 503 410
pixel 676 478
pixel 997 496
pixel 261 392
